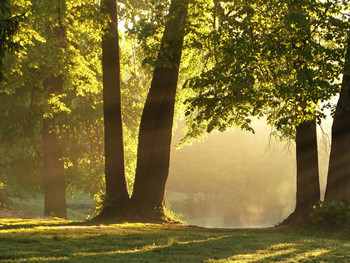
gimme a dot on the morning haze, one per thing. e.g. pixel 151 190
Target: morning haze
pixel 236 178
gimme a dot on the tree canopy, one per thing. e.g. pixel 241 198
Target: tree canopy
pixel 265 59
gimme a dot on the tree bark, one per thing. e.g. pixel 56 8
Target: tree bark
pixel 308 186
pixel 338 180
pixel 157 118
pixel 54 178
pixel 117 196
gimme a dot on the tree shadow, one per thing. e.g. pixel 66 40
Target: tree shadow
pixel 81 242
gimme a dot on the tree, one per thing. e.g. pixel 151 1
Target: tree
pixel 54 81
pixel 157 118
pixel 308 185
pixel 272 60
pixel 156 123
pixel 53 164
pixel 116 186
pixel 338 180
pixel 53 170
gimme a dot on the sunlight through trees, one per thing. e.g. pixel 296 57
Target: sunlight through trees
pixel 91 94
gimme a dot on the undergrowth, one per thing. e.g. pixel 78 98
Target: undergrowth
pixel 331 216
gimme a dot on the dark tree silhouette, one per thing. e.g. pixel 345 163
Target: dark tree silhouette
pixel 308 186
pixel 338 180
pixel 157 118
pixel 117 197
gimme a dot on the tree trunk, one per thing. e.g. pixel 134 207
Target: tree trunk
pixel 308 186
pixel 117 196
pixel 157 118
pixel 338 180
pixel 54 179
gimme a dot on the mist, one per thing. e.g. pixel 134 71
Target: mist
pixel 237 179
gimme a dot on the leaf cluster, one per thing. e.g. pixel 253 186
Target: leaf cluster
pixel 9 25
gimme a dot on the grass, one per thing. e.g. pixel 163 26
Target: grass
pixel 78 207
pixel 72 241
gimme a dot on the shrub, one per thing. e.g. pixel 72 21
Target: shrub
pixel 331 215
pixel 101 201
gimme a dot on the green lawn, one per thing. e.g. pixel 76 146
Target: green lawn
pixel 71 241
pixel 78 207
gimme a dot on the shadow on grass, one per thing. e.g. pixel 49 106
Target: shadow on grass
pixel 79 242
pixel 223 249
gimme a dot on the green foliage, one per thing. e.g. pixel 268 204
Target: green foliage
pixel 9 25
pixel 170 216
pixel 280 60
pixel 69 47
pixel 331 215
pixel 149 30
pixel 101 201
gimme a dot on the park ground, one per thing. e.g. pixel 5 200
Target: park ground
pixel 38 239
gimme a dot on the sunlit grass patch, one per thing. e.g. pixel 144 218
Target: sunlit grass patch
pixel 20 221
pixel 285 252
pixel 37 259
pixel 18 224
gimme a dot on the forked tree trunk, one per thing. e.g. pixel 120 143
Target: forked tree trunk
pixel 338 180
pixel 54 178
pixel 117 197
pixel 157 118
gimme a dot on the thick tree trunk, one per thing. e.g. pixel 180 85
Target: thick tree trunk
pixel 117 197
pixel 308 186
pixel 338 180
pixel 157 119
pixel 54 179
